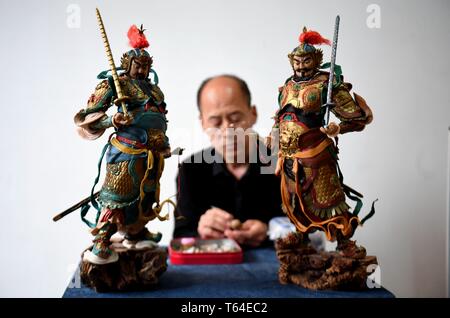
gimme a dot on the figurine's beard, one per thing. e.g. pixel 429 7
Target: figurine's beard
pixel 305 72
pixel 303 75
pixel 137 76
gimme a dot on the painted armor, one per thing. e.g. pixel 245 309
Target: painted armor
pixel 135 152
pixel 312 190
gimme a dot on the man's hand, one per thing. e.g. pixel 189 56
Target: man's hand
pixel 213 223
pixel 332 130
pixel 252 233
pixel 119 119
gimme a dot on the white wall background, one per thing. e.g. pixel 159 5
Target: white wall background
pixel 49 70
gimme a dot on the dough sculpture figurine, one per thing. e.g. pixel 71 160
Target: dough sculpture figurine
pixel 312 188
pixel 135 154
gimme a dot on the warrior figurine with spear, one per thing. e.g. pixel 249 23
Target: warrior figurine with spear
pixel 135 152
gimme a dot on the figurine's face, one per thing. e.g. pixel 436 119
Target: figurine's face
pixel 304 66
pixel 227 118
pixel 140 67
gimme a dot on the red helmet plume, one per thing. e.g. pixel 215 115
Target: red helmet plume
pixel 312 38
pixel 137 37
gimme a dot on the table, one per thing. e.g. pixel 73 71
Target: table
pixel 256 277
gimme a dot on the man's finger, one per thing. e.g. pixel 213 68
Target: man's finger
pixel 257 230
pixel 234 236
pixel 215 219
pixel 238 235
pixel 219 223
pixel 241 239
pixel 221 213
pixel 210 233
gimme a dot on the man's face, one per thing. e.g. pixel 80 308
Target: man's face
pixel 140 68
pixel 304 66
pixel 226 117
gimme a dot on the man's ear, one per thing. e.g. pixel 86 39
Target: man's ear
pixel 254 115
pixel 202 122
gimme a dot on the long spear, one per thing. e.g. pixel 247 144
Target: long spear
pixel 121 99
pixel 329 103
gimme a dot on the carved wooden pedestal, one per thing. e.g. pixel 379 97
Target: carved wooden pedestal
pixel 303 266
pixel 135 270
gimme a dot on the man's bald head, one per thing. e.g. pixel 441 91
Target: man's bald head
pixel 225 83
pixel 225 112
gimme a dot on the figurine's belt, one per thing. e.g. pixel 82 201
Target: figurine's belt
pixel 303 154
pixel 126 149
pixel 131 142
pixel 309 153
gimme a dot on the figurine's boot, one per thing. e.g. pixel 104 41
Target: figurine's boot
pixel 348 248
pixel 118 237
pixel 101 252
pixel 142 239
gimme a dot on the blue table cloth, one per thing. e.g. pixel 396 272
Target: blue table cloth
pixel 256 277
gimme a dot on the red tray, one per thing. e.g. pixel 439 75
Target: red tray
pixel 178 257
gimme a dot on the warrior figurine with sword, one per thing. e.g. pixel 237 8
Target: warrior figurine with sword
pixel 135 152
pixel 312 188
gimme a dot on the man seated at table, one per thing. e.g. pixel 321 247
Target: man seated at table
pixel 231 180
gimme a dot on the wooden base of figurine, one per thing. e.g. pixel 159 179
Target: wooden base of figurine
pixel 303 266
pixel 135 270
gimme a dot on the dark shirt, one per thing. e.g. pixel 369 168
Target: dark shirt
pixel 204 185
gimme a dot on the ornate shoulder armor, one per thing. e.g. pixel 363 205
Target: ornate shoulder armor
pixel 101 98
pixel 353 112
pixel 346 108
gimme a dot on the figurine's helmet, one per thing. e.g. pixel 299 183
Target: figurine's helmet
pixel 139 43
pixel 307 41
